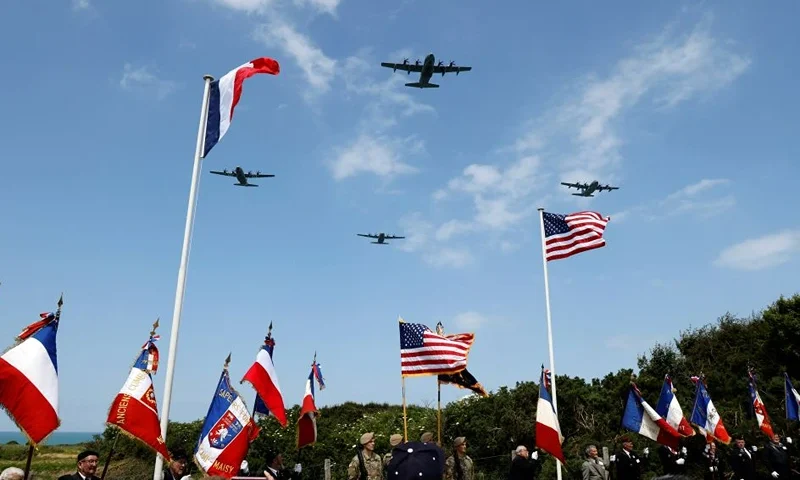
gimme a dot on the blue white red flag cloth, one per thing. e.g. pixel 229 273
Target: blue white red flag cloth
pixel 225 94
pixel 134 410
pixel 29 379
pixel 227 432
pixel 705 415
pixel 671 411
pixel 318 375
pixel 567 235
pixel 548 430
pixel 260 408
pixel 792 400
pixel 264 379
pixel 307 422
pixel 641 418
pixel 764 423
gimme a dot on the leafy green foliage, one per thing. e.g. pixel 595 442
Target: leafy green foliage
pixel 589 411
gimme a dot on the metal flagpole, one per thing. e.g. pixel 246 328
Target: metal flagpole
pixel 549 326
pixel 181 288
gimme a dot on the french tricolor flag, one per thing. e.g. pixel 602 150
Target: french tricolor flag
pixel 263 377
pixel 670 410
pixel 705 415
pixel 548 431
pixel 792 400
pixel 307 423
pixel 640 417
pixel 764 422
pixel 225 94
pixel 29 379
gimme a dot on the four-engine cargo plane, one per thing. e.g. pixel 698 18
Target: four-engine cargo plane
pixel 241 176
pixel 425 70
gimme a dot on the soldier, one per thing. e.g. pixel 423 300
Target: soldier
pixel 777 457
pixel 459 466
pixel 742 462
pixel 394 441
pixel 712 470
pixel 366 465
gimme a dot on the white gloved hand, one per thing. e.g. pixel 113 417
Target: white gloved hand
pixel 775 475
pixel 684 451
pixel 788 439
pixel 535 455
pixel 755 449
pixel 612 458
pixel 298 468
pixel 680 461
pixel 646 451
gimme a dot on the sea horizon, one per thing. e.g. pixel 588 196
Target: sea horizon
pixel 56 438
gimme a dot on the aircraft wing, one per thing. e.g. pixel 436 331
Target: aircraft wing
pixel 606 187
pixel 257 175
pixel 227 174
pixel 449 69
pixel 406 67
pixel 389 237
pixel 366 235
pixel 576 185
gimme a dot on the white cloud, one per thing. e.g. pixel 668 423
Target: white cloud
pixel 322 6
pixel 689 200
pixel 762 252
pixel 376 155
pixel 141 78
pixel 80 4
pixel 318 69
pixel 470 320
pixel 695 188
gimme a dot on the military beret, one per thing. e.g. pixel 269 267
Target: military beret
pixel 426 437
pixel 87 453
pixel 366 438
pixel 458 441
pixel 417 461
pixel 395 439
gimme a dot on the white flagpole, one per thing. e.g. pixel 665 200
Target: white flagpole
pixel 549 326
pixel 181 288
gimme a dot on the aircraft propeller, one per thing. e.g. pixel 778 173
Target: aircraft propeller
pixel 258 172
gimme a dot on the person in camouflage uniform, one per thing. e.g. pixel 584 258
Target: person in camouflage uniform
pixel 373 464
pixel 459 466
pixel 394 441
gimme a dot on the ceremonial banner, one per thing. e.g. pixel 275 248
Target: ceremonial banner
pixel 423 352
pixel 764 423
pixel 705 415
pixel 29 378
pixel 548 430
pixel 669 408
pixel 134 410
pixel 307 423
pixel 641 418
pixel 227 432
pixel 792 400
pixel 264 379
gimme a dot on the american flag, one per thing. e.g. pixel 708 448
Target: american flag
pixel 423 352
pixel 566 235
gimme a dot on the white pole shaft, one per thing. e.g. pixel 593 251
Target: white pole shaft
pixel 181 288
pixel 549 325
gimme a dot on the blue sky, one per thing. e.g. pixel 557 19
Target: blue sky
pixel 690 109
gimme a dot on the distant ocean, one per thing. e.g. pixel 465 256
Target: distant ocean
pixel 57 438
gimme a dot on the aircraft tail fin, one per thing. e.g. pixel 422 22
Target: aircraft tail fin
pixel 422 85
pixel 245 184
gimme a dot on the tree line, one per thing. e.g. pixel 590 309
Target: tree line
pixel 589 411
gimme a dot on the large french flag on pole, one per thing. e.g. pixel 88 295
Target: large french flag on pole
pixel 671 411
pixel 307 423
pixel 705 415
pixel 263 377
pixel 548 431
pixel 29 378
pixel 792 400
pixel 134 410
pixel 641 418
pixel 227 432
pixel 764 422
pixel 224 95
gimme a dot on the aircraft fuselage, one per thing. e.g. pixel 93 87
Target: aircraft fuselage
pixel 240 176
pixel 427 69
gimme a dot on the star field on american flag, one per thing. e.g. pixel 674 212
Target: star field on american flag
pixel 566 235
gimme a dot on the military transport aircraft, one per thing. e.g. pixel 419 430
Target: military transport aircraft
pixel 588 189
pixel 241 176
pixel 425 70
pixel 381 237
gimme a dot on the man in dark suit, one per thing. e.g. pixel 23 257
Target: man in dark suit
pixel 276 471
pixel 525 466
pixel 672 461
pixel 629 464
pixel 87 466
pixel 176 469
pixel 741 461
pixel 777 457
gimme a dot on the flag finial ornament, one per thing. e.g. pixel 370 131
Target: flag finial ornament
pixel 227 361
pixel 155 326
